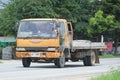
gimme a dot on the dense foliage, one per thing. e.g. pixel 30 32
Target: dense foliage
pixel 112 7
pixel 101 25
pixel 107 22
pixel 90 18
pixel 76 11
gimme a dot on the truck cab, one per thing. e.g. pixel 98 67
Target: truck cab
pixel 47 40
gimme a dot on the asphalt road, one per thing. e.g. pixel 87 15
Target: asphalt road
pixel 13 70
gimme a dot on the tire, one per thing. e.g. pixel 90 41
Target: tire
pixel 26 62
pixel 60 62
pixel 89 60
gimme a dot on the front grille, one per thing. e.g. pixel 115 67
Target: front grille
pixel 34 49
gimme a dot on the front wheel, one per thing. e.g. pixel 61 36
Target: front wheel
pixel 26 62
pixel 60 62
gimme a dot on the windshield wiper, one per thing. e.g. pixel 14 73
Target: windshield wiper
pixel 37 36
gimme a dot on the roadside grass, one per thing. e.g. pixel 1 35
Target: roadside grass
pixel 113 75
pixel 108 55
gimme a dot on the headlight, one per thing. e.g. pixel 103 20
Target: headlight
pixel 51 49
pixel 20 49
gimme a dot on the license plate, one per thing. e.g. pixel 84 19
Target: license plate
pixel 35 54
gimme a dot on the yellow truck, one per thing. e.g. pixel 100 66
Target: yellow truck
pixel 51 40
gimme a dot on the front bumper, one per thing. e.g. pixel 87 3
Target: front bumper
pixel 38 54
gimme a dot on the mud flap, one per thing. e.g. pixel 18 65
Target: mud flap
pixel 97 57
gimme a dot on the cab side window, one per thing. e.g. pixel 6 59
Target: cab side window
pixel 69 28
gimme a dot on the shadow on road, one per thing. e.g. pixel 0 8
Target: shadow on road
pixel 53 66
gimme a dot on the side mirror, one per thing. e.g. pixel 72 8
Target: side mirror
pixel 17 26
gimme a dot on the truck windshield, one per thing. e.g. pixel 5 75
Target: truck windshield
pixel 37 28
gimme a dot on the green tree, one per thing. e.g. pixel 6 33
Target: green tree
pixel 86 11
pixel 16 10
pixel 100 24
pixel 104 25
pixel 77 11
pixel 112 7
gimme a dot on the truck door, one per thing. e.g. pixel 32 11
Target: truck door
pixel 70 30
pixel 64 35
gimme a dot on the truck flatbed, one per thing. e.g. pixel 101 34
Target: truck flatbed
pixel 86 44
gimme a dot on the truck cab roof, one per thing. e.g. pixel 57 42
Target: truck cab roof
pixel 30 19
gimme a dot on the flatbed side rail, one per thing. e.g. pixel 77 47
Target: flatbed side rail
pixel 85 44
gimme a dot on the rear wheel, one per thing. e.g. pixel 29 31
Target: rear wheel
pixel 89 60
pixel 26 62
pixel 60 62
